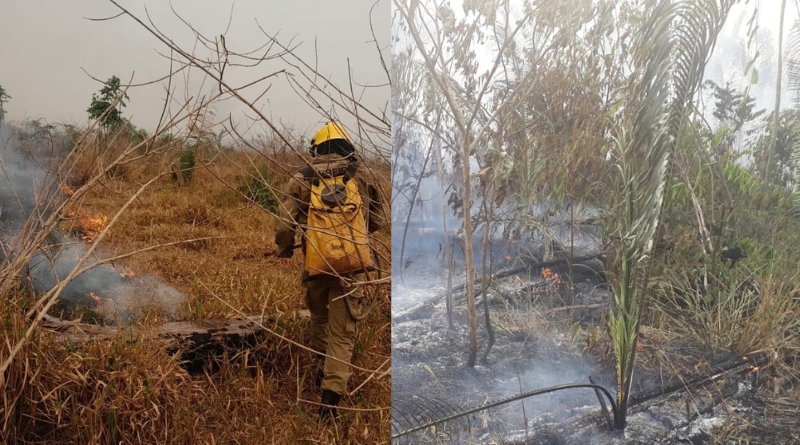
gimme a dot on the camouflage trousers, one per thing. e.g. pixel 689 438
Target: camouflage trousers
pixel 332 327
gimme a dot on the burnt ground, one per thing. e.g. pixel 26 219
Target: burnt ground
pixel 547 335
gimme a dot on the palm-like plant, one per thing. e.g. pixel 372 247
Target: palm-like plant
pixel 669 62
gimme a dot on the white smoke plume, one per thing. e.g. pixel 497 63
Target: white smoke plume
pixel 112 292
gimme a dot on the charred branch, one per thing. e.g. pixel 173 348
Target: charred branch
pixel 194 340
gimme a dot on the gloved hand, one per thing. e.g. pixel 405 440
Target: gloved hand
pixel 286 253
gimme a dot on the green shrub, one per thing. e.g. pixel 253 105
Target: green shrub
pixel 186 163
pixel 258 189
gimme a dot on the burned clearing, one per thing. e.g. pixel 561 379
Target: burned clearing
pixel 549 332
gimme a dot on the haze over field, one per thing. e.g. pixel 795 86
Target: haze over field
pixel 46 46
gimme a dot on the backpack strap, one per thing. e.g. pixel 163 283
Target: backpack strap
pixel 350 171
pixel 313 175
pixel 309 174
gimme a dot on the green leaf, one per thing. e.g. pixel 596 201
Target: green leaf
pixel 575 331
pixel 749 65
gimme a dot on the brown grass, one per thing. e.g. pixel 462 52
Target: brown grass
pixel 117 392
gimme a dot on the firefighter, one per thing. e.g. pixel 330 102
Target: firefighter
pixel 333 323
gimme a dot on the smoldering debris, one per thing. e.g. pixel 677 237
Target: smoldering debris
pixel 428 370
pixel 113 292
pixel 428 359
pixel 534 352
pixel 27 189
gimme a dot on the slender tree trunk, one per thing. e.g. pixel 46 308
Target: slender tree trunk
pixel 411 209
pixel 451 264
pixel 468 258
pixel 448 245
pixel 778 83
pixel 489 209
pixel 571 297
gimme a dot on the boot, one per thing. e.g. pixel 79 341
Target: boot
pixel 329 398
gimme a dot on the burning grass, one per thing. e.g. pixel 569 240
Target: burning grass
pixel 122 392
pixel 86 227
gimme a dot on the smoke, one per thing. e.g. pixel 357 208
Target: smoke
pixel 513 368
pixel 27 189
pixel 20 181
pixel 419 243
pixel 114 293
pixel 559 369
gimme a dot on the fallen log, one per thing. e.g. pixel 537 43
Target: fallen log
pixel 529 267
pixel 188 337
pixel 424 310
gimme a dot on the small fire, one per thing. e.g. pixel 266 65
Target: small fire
pixel 67 190
pixel 127 273
pixel 97 298
pixel 87 227
pixel 549 275
pixel 91 227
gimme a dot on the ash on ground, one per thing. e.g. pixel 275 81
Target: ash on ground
pixel 547 334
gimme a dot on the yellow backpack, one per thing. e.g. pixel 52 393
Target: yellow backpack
pixel 337 239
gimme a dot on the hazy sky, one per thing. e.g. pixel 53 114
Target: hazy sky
pixel 728 63
pixel 729 58
pixel 46 44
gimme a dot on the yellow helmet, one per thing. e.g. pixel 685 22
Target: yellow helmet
pixel 329 132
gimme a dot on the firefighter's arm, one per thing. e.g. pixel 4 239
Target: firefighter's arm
pixel 285 221
pixel 377 216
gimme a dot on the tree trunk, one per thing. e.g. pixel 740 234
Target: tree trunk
pixel 449 296
pixel 468 258
pixel 448 245
pixel 484 275
pixel 776 119
pixel 411 210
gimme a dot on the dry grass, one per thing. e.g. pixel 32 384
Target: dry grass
pixel 117 392
pixel 741 321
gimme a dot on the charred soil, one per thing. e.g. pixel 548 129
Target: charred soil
pixel 550 331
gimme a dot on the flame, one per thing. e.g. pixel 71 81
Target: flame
pixel 127 273
pixel 88 227
pixel 91 227
pixel 67 190
pixel 548 274
pixel 98 299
